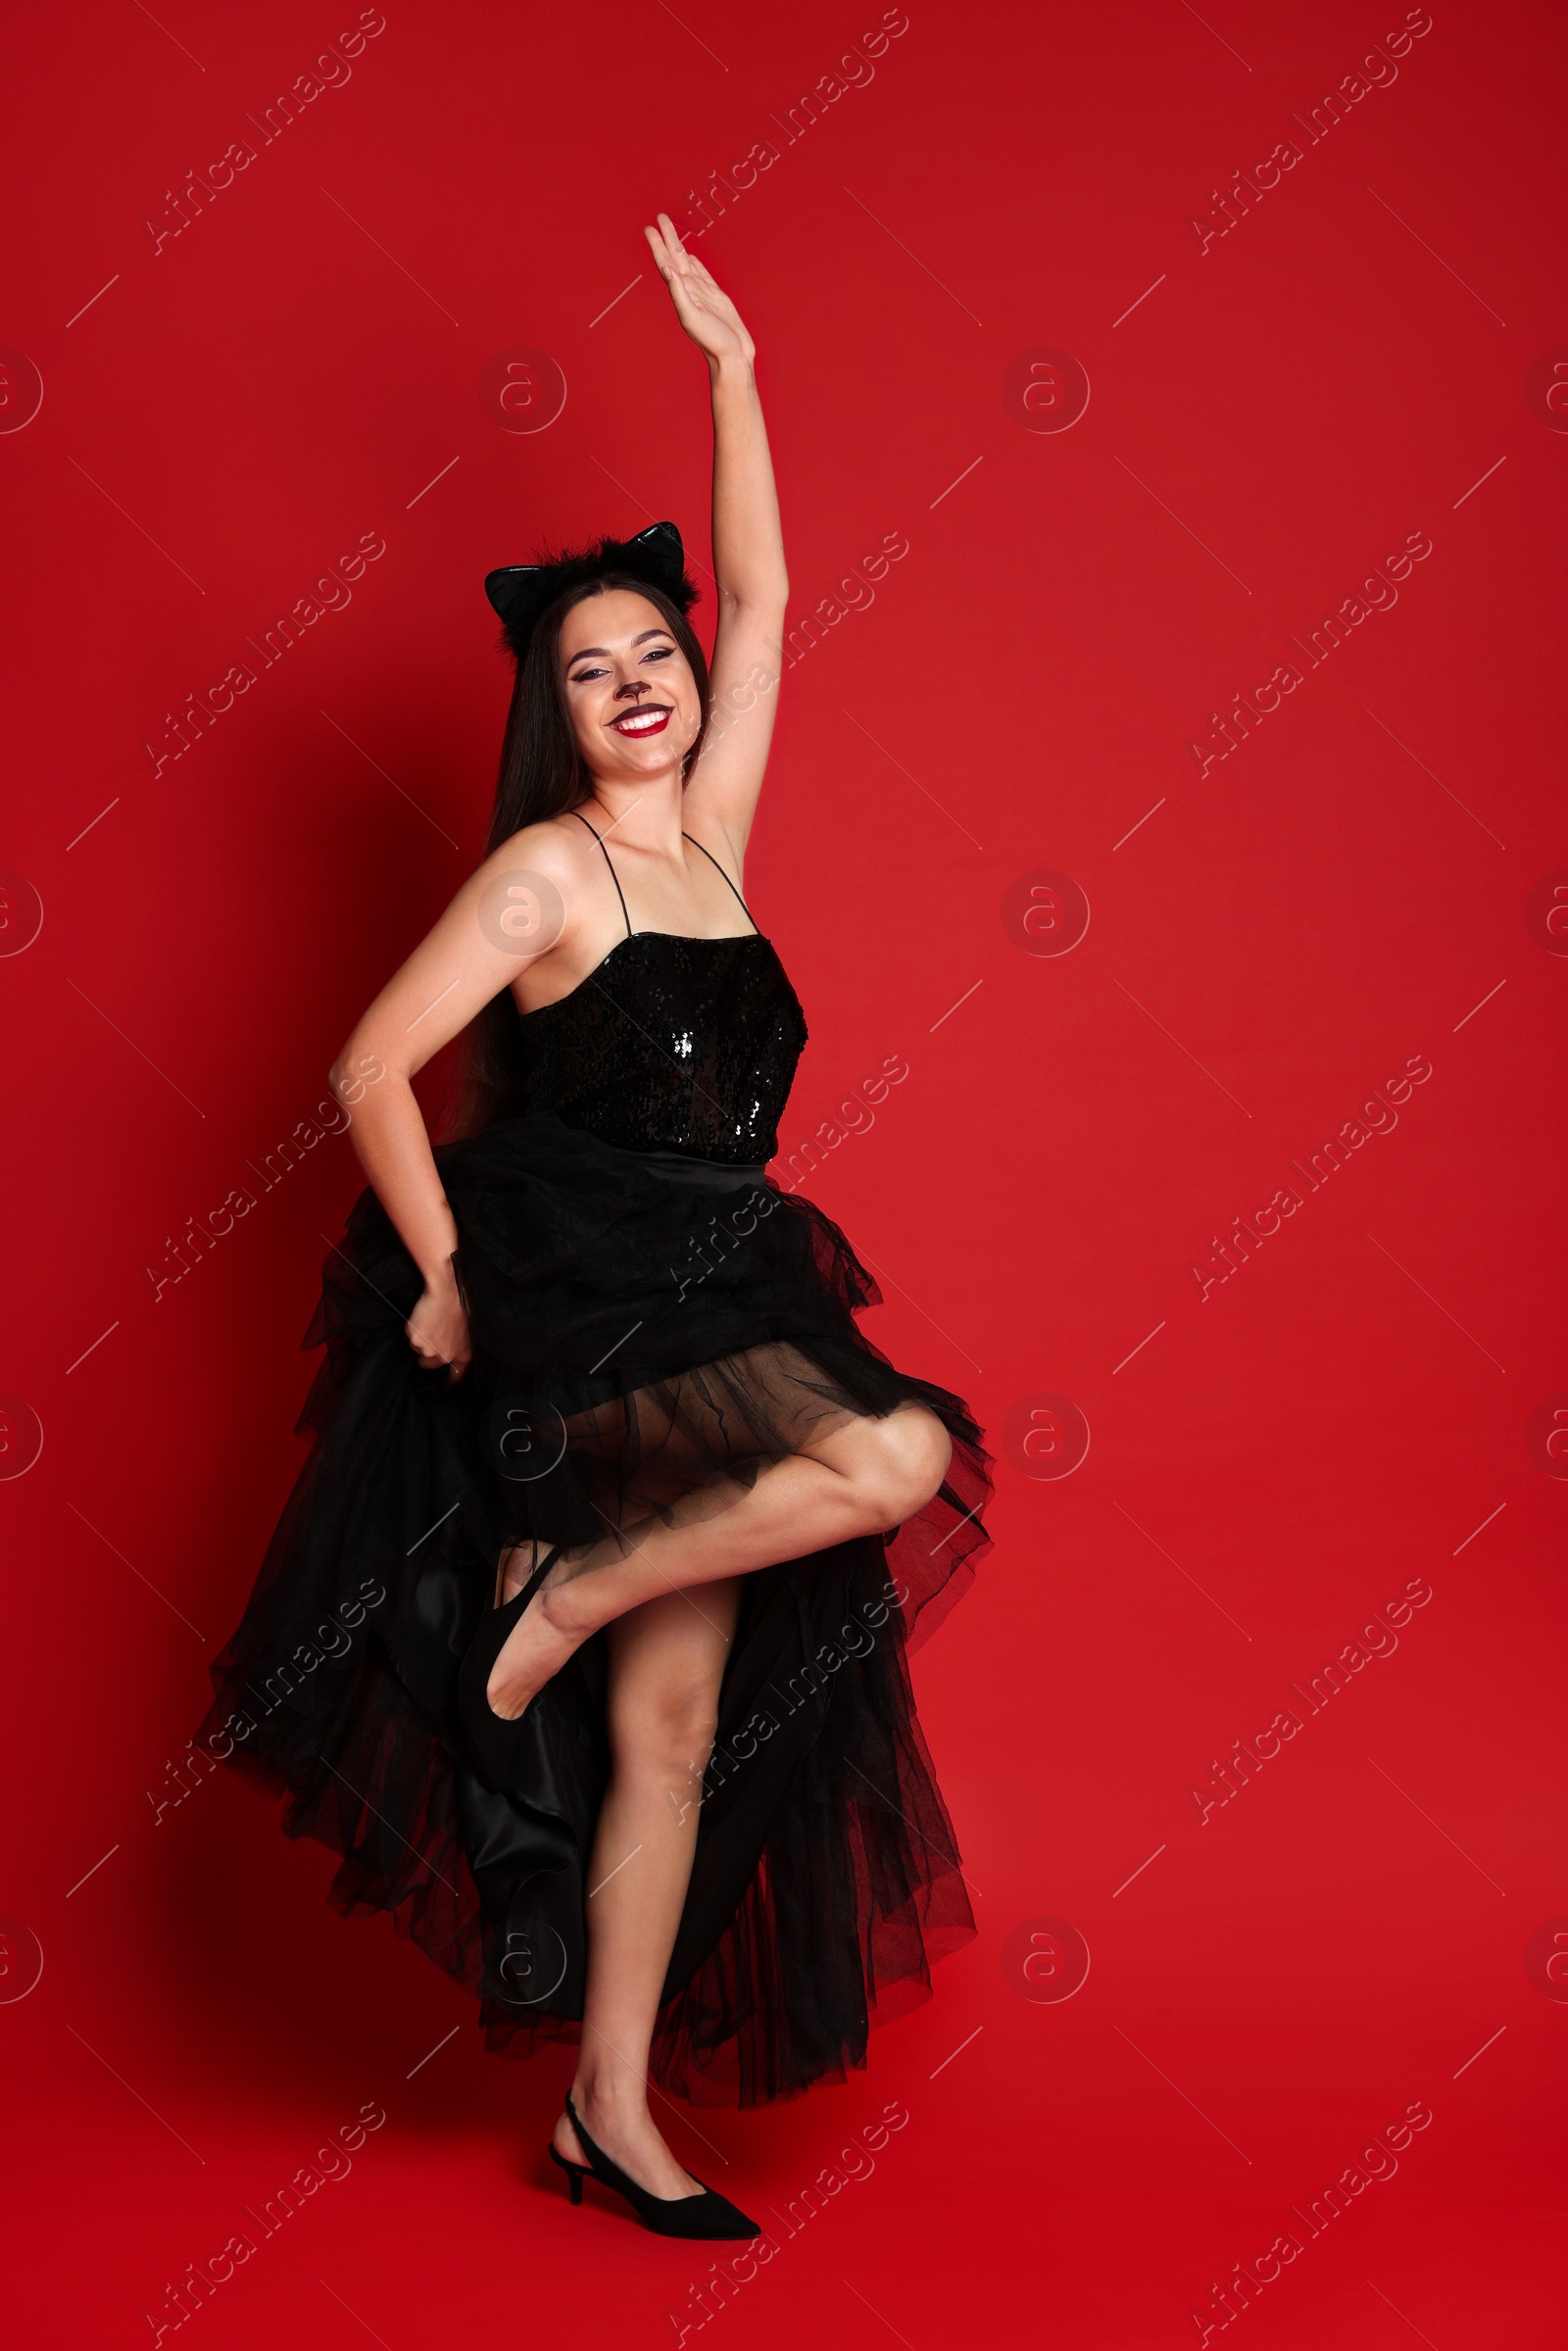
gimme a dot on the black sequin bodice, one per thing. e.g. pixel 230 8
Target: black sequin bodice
pixel 671 1044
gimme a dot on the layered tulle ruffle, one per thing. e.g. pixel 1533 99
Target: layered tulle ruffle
pixel 642 1327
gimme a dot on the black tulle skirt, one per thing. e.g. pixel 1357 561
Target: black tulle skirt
pixel 642 1326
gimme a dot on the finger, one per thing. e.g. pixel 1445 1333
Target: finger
pixel 673 263
pixel 685 297
pixel 694 261
pixel 683 262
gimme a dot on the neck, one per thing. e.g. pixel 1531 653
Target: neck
pixel 644 812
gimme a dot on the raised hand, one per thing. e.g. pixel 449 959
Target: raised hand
pixel 707 314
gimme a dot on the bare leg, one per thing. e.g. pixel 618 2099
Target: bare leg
pixel 868 1476
pixel 666 1660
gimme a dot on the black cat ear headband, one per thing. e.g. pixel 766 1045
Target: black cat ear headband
pixel 521 592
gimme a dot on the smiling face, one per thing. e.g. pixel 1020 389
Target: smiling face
pixel 629 691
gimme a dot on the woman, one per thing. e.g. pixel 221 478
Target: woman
pixel 582 1636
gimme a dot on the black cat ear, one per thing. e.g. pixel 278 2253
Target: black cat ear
pixel 506 587
pixel 661 545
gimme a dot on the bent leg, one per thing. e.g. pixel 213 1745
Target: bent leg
pixel 866 1476
pixel 666 1660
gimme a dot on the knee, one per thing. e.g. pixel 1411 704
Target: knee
pixel 904 1461
pixel 668 1734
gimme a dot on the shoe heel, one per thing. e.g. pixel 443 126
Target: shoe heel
pixel 709 2215
pixel 574 2175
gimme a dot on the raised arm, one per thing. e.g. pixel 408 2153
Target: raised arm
pixel 747 551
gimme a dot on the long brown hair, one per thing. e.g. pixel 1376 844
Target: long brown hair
pixel 543 774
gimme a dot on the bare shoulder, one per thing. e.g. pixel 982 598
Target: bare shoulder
pixel 554 853
pixel 559 848
pixel 531 892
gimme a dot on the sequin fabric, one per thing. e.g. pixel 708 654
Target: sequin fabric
pixel 672 1044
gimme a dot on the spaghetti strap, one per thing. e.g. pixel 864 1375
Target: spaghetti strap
pixel 609 861
pixel 723 876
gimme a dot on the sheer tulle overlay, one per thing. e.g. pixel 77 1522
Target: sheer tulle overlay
pixel 638 1331
pixel 650 1319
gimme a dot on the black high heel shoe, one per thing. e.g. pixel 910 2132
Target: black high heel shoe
pixel 492 1737
pixel 708 2215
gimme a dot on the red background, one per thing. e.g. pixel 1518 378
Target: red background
pixel 1268 418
